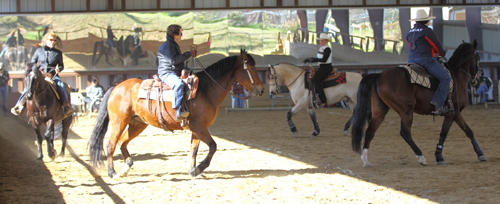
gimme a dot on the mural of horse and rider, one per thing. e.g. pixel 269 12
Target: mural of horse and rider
pixel 124 51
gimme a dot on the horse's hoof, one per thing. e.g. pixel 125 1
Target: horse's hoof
pixel 124 171
pixel 366 165
pixel 482 158
pixel 346 132
pixel 423 163
pixel 114 175
pixel 295 134
pixel 54 155
pixel 61 155
pixel 441 163
pixel 195 172
pixel 313 136
pixel 40 159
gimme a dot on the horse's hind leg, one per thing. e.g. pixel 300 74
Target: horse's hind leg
pixel 406 122
pixel 312 114
pixel 134 129
pixel 195 144
pixel 117 125
pixel 346 126
pixel 461 123
pixel 379 111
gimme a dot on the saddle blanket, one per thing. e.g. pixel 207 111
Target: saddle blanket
pixel 53 86
pixel 418 75
pixel 333 79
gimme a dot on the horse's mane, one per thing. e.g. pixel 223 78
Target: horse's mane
pixel 460 56
pixel 218 70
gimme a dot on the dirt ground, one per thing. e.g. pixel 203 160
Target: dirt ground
pixel 259 161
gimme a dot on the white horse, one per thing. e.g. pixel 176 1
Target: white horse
pixel 293 77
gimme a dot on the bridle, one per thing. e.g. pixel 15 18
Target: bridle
pixel 245 67
pixel 472 77
pixel 37 84
pixel 274 76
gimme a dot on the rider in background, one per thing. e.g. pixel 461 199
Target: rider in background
pixel 20 38
pixel 424 48
pixel 10 42
pixel 324 60
pixel 51 61
pixel 111 41
pixel 137 49
pixel 170 66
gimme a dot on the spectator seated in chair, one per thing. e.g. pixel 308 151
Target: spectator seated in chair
pixel 95 92
pixel 482 86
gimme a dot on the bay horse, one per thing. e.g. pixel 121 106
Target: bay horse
pixel 43 107
pixel 121 44
pixel 121 107
pixel 391 89
pixel 293 77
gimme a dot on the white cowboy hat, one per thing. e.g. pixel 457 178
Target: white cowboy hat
pixel 324 36
pixel 422 16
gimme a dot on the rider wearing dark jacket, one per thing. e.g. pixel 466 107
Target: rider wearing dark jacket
pixel 170 66
pixel 424 48
pixel 10 42
pixel 50 61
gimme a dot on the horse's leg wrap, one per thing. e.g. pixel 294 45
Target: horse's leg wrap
pixel 439 155
pixel 290 123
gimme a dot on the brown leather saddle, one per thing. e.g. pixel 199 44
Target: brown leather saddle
pixel 155 90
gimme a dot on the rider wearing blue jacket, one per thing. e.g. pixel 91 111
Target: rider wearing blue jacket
pixel 424 48
pixel 170 66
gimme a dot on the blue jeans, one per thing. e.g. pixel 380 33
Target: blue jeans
pixel 60 86
pixel 111 45
pixel 481 91
pixel 175 82
pixel 3 98
pixel 3 51
pixel 239 101
pixel 434 68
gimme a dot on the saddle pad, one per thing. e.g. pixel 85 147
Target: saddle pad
pixel 418 75
pixel 333 79
pixel 53 86
pixel 166 94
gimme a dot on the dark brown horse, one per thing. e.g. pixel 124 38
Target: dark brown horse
pixel 43 107
pixel 391 89
pixel 121 107
pixel 100 50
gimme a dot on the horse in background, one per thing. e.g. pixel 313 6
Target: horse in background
pixel 147 57
pixel 293 77
pixel 102 48
pixel 391 89
pixel 128 115
pixel 43 107
pixel 16 56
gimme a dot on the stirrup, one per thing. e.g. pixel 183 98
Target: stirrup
pixel 16 110
pixel 442 111
pixel 68 110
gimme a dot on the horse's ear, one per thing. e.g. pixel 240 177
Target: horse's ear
pixel 463 41
pixel 474 44
pixel 243 52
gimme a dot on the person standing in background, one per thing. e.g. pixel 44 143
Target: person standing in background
pixel 4 88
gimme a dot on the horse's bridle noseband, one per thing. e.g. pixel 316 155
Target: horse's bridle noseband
pixel 274 76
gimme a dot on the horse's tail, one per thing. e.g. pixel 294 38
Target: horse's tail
pixel 362 112
pixel 95 144
pixel 93 54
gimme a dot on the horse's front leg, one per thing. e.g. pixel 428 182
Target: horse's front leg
pixel 312 114
pixel 290 122
pixel 49 137
pixel 461 123
pixel 39 141
pixel 64 134
pixel 195 144
pixel 406 122
pixel 445 128
pixel 204 135
pixel 346 126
